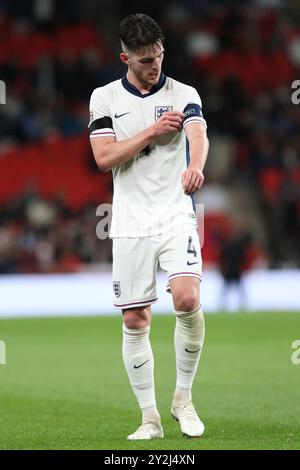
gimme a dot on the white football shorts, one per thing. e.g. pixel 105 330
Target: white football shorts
pixel 135 262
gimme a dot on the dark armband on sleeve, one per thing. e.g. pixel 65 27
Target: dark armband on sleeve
pixel 193 113
pixel 101 123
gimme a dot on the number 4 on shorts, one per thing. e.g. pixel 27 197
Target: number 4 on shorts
pixel 190 247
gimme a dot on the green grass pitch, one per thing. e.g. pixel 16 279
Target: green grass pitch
pixel 64 385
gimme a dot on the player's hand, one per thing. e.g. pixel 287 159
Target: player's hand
pixel 170 121
pixel 192 180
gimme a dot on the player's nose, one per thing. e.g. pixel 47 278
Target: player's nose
pixel 156 61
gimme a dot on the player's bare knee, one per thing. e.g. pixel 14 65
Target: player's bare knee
pixel 186 302
pixel 136 318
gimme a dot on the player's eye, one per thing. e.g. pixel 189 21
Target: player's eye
pixel 151 59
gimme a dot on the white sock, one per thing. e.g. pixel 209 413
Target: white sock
pixel 139 364
pixel 188 341
pixel 150 415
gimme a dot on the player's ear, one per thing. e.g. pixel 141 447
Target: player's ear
pixel 124 58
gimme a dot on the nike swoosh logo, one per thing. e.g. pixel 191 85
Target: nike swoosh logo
pixel 190 264
pixel 187 350
pixel 117 116
pixel 137 367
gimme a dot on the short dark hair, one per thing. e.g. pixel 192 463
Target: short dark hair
pixel 139 31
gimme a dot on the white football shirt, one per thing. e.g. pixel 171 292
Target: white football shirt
pixel 148 195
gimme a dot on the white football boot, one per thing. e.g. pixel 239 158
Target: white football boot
pixel 151 430
pixel 190 423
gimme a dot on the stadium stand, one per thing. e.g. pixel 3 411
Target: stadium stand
pixel 241 60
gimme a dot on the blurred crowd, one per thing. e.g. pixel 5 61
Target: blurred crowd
pixel 39 235
pixel 241 56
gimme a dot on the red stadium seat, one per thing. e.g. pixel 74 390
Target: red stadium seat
pixel 270 180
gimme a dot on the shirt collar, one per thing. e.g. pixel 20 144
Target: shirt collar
pixel 132 89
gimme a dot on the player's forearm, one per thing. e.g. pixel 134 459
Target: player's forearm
pixel 115 153
pixel 199 145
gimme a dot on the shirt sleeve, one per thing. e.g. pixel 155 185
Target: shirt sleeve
pixel 193 109
pixel 100 124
